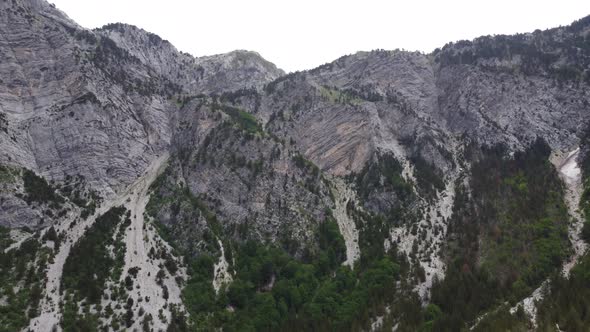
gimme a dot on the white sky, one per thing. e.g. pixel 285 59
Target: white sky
pixel 302 34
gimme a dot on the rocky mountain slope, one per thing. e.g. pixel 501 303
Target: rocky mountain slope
pixel 143 188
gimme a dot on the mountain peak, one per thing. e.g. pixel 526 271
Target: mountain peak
pixel 240 68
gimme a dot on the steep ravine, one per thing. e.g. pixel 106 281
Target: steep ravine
pixel 140 238
pixel 569 172
pixel 221 274
pixel 135 198
pixel 435 222
pixel 342 195
pixel 438 216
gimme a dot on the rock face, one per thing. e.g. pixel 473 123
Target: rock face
pixel 209 74
pixel 379 142
pixel 76 102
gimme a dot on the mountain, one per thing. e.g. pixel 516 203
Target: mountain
pixel 142 188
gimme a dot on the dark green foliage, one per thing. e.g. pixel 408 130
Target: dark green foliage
pixel 385 167
pixel 374 229
pixel 74 322
pixel 384 175
pixel 273 291
pixel 502 248
pixel 5 239
pixel 51 235
pixel 332 247
pixel 38 190
pixel 247 94
pixel 243 119
pixel 275 85
pixel 112 60
pixel 122 28
pixel 586 230
pixel 505 191
pixel 230 146
pixel 365 92
pixel 147 323
pixel 88 97
pixel 568 302
pixel 87 277
pixel 21 305
pixel 198 294
pixel 305 165
pixel 75 188
pixel 87 36
pixel 108 51
pixel 432 313
pixel 332 95
pixel 166 195
pixel 585 168
pixel 502 320
pixel 429 178
pixel 177 320
pixel 464 294
pixel 311 171
pixel 560 54
pixel 84 278
pixel 8 174
pixel 580 24
pixel 170 263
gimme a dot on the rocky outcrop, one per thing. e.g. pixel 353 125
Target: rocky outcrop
pixel 75 102
pixel 372 139
pixel 209 74
pixel 245 177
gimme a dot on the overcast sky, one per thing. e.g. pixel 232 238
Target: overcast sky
pixel 302 34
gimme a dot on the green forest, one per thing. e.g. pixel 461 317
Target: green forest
pixel 567 304
pixel 272 290
pixel 85 279
pixel 498 252
pixel 20 281
pixel 500 248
